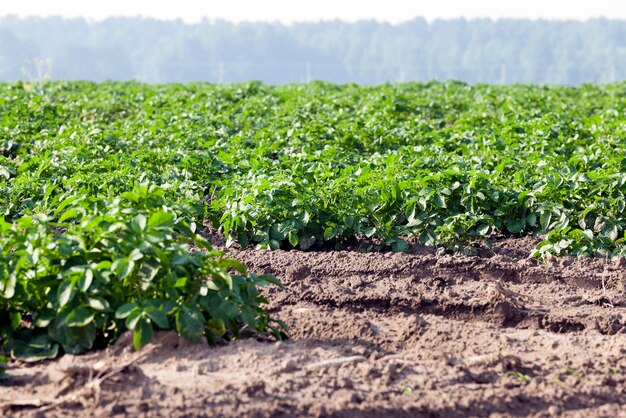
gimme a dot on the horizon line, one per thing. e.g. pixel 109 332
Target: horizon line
pixel 206 19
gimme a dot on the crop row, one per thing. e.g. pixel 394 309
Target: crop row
pixel 296 166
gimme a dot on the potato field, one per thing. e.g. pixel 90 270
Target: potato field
pixel 419 249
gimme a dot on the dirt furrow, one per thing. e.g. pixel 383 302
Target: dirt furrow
pixel 491 334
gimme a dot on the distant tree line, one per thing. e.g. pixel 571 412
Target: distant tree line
pixel 483 50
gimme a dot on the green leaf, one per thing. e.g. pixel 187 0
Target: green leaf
pixel 249 317
pixel 133 197
pixel 43 318
pixel 274 245
pixel 125 310
pixel 440 201
pixel 236 265
pixel 216 326
pixel 98 304
pixel 5 173
pixel 79 317
pixel 65 292
pixel 158 317
pixel 4 225
pixel 133 319
pixel 613 233
pixel 275 234
pixel 306 242
pixel 84 336
pixel 190 323
pixel 8 286
pixel 123 267
pixel 160 220
pixel 293 238
pixel 368 231
pixel 16 320
pixel 515 226
pixel 483 229
pixel 39 348
pixel 142 334
pixel 71 213
pixel 138 223
pixel 400 246
pixel 544 220
pixel 149 270
pixel 85 280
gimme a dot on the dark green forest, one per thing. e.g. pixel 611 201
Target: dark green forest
pixel 368 52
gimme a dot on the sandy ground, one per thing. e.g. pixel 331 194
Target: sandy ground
pixel 494 334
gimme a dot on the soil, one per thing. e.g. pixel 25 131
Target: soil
pixel 375 334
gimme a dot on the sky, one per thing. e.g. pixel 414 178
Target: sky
pixel 289 11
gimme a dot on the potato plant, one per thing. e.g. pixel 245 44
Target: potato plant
pixel 96 268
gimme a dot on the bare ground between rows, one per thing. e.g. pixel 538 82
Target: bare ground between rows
pixel 497 334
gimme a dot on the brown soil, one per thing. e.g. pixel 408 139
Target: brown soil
pixel 420 334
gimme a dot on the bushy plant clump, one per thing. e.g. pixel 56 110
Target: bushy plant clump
pixel 97 268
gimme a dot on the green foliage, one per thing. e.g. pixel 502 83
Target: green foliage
pixel 300 166
pixel 104 189
pixel 95 268
pixel 568 241
pixel 4 377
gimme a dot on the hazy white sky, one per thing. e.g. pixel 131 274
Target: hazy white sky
pixel 293 10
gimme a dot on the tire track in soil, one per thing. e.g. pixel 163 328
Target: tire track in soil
pixel 563 296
